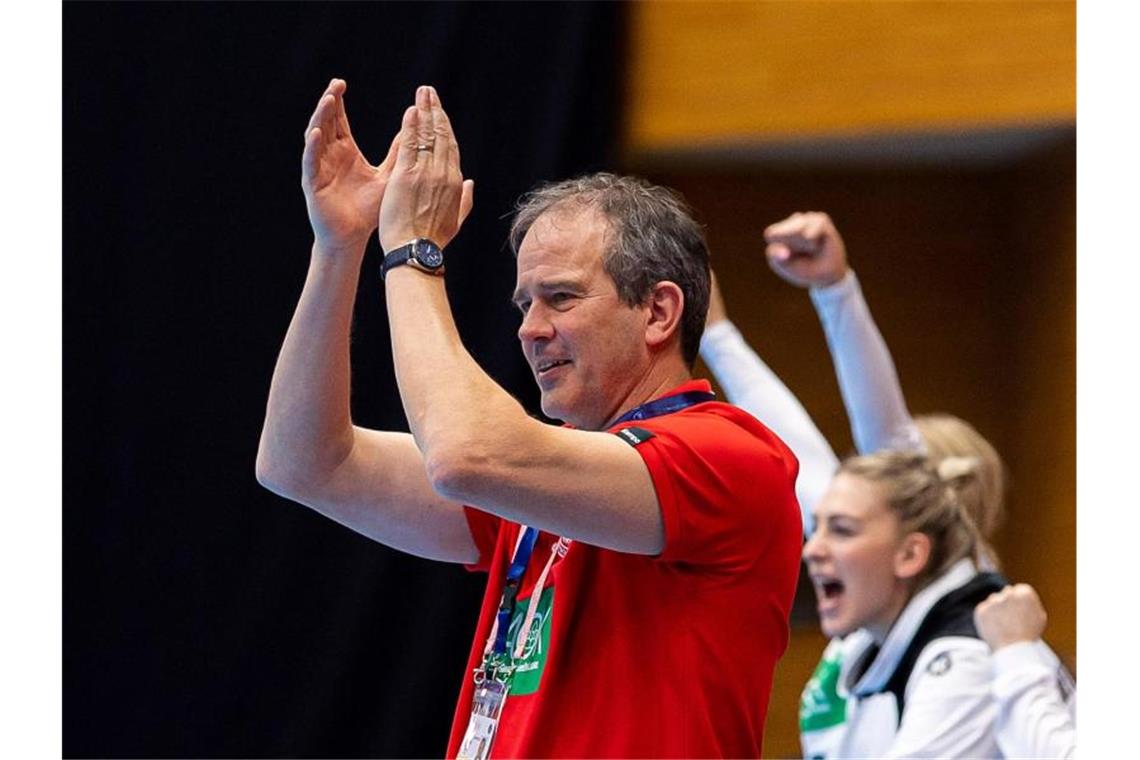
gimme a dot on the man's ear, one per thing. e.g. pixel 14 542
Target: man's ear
pixel 665 304
pixel 913 555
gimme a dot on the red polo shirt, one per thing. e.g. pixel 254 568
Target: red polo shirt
pixel 667 656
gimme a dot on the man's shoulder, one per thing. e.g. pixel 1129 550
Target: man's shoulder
pixel 720 423
pixel 722 435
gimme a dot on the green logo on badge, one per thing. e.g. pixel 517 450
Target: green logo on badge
pixel 820 704
pixel 532 661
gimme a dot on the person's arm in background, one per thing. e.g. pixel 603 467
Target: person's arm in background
pixel 750 384
pixel 806 250
pixel 1034 718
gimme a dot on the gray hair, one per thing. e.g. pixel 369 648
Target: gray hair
pixel 655 238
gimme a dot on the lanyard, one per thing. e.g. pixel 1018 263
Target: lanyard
pixel 666 405
pixel 523 549
pixel 497 641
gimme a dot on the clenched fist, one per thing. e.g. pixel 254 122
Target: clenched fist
pixel 806 250
pixel 1009 616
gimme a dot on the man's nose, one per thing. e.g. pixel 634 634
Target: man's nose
pixel 535 325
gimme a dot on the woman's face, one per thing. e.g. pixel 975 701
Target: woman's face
pixel 856 559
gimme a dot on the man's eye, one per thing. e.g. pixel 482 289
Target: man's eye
pixel 559 299
pixel 522 306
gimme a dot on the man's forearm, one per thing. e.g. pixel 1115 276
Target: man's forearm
pixel 308 427
pixel 457 413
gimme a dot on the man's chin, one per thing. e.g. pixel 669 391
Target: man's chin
pixel 551 408
pixel 556 407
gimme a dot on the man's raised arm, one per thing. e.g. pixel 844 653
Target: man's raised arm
pixel 370 481
pixel 480 446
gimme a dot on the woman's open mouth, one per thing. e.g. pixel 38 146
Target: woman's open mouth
pixel 829 593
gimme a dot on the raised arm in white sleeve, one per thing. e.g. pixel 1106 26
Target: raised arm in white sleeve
pixel 1034 718
pixel 753 386
pixel 807 250
pixel 865 370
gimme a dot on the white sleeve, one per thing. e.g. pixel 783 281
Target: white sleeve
pixel 751 385
pixel 949 711
pixel 1034 719
pixel 866 372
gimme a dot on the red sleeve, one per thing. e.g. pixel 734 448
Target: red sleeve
pixel 723 489
pixel 485 532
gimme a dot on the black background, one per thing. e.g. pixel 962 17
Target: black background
pixel 204 616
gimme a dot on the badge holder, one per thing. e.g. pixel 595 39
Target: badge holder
pixel 493 677
pixel 492 684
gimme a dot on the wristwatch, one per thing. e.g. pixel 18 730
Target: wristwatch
pixel 421 254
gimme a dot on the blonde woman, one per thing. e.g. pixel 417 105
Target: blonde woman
pixel 894 563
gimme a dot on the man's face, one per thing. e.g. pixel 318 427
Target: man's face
pixel 585 346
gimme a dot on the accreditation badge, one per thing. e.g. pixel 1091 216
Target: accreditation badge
pixel 492 683
pixel 515 655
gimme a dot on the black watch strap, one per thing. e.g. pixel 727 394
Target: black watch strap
pixel 421 254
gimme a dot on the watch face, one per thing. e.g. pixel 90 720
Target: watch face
pixel 428 254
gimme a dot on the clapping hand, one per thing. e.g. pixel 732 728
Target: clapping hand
pixel 342 190
pixel 427 196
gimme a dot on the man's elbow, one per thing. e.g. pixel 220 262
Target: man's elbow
pixel 299 469
pixel 455 473
pixel 273 475
pixel 282 474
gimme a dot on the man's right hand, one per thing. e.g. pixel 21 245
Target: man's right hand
pixel 1009 616
pixel 806 250
pixel 342 190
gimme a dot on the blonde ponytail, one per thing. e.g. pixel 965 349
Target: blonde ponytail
pixel 949 437
pixel 956 468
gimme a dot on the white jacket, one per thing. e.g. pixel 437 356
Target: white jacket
pixel 954 703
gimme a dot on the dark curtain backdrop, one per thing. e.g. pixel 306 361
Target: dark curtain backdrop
pixel 204 616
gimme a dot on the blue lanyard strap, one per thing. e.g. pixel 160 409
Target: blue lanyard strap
pixel 511 587
pixel 666 405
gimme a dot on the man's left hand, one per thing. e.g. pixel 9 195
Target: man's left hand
pixel 426 196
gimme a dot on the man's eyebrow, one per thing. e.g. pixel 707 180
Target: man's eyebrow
pixel 548 286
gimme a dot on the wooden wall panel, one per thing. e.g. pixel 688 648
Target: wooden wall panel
pixel 729 72
pixel 1040 539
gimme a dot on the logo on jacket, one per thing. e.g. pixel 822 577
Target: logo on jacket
pixel 939 665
